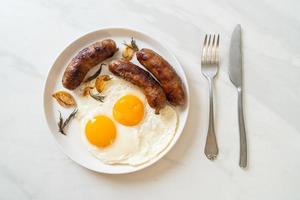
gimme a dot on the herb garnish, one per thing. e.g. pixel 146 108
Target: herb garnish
pixel 92 77
pixel 132 45
pixel 97 97
pixel 62 124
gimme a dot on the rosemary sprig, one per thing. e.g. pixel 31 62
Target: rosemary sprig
pixel 92 77
pixel 71 116
pixel 132 45
pixel 97 97
pixel 62 124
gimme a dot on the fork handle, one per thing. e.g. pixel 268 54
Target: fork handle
pixel 243 140
pixel 211 147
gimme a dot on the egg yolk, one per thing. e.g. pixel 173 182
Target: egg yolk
pixel 100 131
pixel 128 110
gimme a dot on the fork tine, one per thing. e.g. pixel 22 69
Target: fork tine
pixel 204 50
pixel 213 41
pixel 209 51
pixel 213 50
pixel 205 40
pixel 217 50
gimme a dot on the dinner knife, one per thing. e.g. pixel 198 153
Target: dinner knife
pixel 236 77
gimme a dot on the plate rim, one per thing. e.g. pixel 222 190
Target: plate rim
pixel 185 82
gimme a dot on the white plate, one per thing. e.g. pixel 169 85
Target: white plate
pixel 71 144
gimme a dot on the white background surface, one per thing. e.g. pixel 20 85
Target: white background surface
pixel 34 32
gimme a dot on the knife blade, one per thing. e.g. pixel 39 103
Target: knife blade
pixel 235 58
pixel 236 77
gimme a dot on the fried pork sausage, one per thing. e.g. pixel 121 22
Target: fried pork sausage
pixel 86 59
pixel 143 79
pixel 164 73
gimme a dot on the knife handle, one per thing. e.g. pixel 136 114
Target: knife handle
pixel 243 140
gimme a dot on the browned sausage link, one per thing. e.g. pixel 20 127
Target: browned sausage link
pixel 143 79
pixel 86 59
pixel 164 73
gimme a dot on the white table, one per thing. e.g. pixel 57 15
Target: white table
pixel 34 32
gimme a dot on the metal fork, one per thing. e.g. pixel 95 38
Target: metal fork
pixel 209 68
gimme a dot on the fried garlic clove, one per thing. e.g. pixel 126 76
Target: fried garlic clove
pixel 100 82
pixel 64 99
pixel 128 52
pixel 86 91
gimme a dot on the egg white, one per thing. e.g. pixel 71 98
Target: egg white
pixel 155 134
pixel 134 145
pixel 125 144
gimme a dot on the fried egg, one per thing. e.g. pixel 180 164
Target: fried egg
pixel 124 129
pixel 107 140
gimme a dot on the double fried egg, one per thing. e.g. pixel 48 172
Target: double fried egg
pixel 124 129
